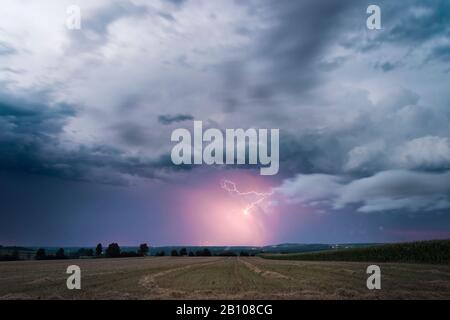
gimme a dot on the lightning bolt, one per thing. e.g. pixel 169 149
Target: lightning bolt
pixel 258 197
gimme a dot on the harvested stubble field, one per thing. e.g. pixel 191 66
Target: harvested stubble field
pixel 220 278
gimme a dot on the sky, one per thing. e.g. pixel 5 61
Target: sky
pixel 86 118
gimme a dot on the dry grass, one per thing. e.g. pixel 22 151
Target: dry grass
pixel 220 277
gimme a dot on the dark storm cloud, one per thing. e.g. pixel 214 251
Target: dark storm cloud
pixel 283 61
pixel 386 66
pixel 411 25
pixel 167 119
pixel 131 133
pixel 440 52
pixel 29 142
pixel 27 129
pixel 310 152
pixel 423 21
pixel 395 133
pixel 28 116
pixel 363 124
pixel 288 54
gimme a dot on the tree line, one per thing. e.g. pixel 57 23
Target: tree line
pixel 112 251
pixel 202 253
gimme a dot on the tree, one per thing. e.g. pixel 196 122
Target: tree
pixel 143 249
pixel 203 253
pixel 99 250
pixel 129 254
pixel 85 252
pixel 160 254
pixel 183 252
pixel 174 253
pixel 60 254
pixel 227 254
pixel 40 254
pixel 113 251
pixel 15 255
pixel 191 254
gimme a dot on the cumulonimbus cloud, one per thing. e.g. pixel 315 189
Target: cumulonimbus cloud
pixel 388 190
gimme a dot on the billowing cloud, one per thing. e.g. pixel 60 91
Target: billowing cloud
pixel 30 141
pixel 169 119
pixel 94 32
pixel 398 190
pixel 99 103
pixel 312 188
pixel 424 153
pixel 428 152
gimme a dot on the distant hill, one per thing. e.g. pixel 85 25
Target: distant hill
pixel 278 248
pixel 295 247
pixel 435 251
pixel 12 248
pixel 310 247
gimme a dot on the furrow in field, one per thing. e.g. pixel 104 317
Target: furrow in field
pixel 264 273
pixel 150 281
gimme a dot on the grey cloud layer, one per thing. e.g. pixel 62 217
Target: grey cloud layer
pixel 351 104
pixel 29 142
pixel 169 119
pixel 384 191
